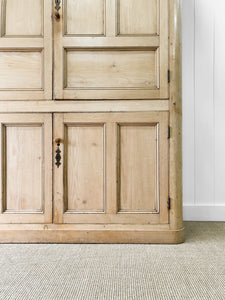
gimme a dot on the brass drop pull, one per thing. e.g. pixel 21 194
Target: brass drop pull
pixel 57 7
pixel 58 153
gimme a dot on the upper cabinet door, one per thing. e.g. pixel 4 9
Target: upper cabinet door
pixel 111 49
pixel 25 50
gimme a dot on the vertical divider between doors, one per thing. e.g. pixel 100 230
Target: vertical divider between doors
pixel 111 203
pixel 58 171
pixel 58 51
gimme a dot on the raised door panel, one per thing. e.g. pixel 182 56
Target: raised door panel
pixel 138 168
pixel 30 65
pixel 79 186
pixel 111 69
pixel 23 18
pixel 25 50
pixel 23 158
pixel 138 17
pixel 113 168
pixel 119 51
pixel 84 17
pixel 84 167
pixel 25 168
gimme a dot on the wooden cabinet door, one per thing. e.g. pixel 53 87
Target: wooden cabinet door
pixel 111 49
pixel 25 50
pixel 113 168
pixel 26 168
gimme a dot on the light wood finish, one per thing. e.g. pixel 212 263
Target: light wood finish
pixel 140 234
pixel 138 17
pixel 23 18
pixel 111 69
pixel 25 50
pixel 30 62
pixel 84 17
pixel 84 165
pixel 84 106
pixel 26 179
pixel 58 183
pixel 83 179
pixel 117 165
pixel 23 158
pixel 92 65
pixel 176 214
pixel 138 167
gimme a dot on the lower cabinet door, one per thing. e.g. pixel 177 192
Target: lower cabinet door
pixel 26 168
pixel 111 168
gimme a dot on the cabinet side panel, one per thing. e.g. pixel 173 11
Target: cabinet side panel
pixel 176 215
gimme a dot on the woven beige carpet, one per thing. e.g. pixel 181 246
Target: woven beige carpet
pixel 193 270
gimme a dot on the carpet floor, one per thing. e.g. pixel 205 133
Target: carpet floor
pixel 193 270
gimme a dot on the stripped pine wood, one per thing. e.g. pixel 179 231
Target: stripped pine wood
pixel 26 172
pixel 23 18
pixel 78 19
pixel 24 167
pixel 84 106
pixel 175 153
pixel 111 69
pixel 133 20
pixel 105 64
pixel 138 155
pixel 84 171
pixel 83 185
pixel 31 64
pixel 115 161
pixel 25 50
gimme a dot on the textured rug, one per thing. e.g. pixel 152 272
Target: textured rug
pixel 193 270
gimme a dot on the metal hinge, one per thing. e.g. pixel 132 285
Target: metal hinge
pixel 168 76
pixel 168 203
pixel 168 132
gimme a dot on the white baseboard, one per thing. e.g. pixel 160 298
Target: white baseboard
pixel 204 213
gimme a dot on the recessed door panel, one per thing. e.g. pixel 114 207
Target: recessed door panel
pixel 111 69
pixel 138 167
pixel 138 17
pixel 23 17
pixel 84 17
pixel 24 158
pixel 25 168
pixel 84 169
pixel 30 64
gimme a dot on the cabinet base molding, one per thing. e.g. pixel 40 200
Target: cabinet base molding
pixel 110 234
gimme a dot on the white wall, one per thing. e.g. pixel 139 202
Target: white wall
pixel 204 110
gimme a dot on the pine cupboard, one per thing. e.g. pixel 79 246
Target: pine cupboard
pixel 90 114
